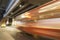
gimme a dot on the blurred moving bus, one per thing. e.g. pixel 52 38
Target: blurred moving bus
pixel 42 21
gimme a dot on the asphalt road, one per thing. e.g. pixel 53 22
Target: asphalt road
pixel 6 34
